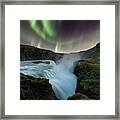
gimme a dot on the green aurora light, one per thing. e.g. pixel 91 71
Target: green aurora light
pixel 46 32
pixel 48 28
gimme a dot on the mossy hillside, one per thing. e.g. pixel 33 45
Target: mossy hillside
pixel 88 73
pixel 88 69
pixel 33 53
pixel 35 88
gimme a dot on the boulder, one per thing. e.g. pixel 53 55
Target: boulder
pixel 78 96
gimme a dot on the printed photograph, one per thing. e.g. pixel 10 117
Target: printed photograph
pixel 59 59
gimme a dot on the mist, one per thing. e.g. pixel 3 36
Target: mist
pixel 60 74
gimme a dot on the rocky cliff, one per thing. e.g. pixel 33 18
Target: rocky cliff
pixel 35 88
pixel 32 53
pixel 87 71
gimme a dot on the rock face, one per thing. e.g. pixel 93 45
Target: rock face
pixel 88 73
pixel 78 96
pixel 92 53
pixel 32 53
pixel 35 88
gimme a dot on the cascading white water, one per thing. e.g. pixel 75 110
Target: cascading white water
pixel 60 75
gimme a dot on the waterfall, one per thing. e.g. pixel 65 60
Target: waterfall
pixel 60 74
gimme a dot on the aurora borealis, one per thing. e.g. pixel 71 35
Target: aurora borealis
pixel 60 35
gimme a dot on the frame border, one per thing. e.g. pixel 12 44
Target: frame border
pixel 55 2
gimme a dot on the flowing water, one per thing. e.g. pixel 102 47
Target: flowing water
pixel 60 74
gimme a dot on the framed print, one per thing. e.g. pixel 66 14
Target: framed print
pixel 60 60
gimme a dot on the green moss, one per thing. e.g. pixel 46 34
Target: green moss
pixel 35 88
pixel 88 69
pixel 32 53
pixel 90 88
pixel 88 73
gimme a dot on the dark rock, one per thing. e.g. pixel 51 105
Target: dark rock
pixel 32 53
pixel 88 69
pixel 78 96
pixel 91 53
pixel 35 88
pixel 88 73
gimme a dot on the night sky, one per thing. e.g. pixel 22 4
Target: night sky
pixel 60 35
